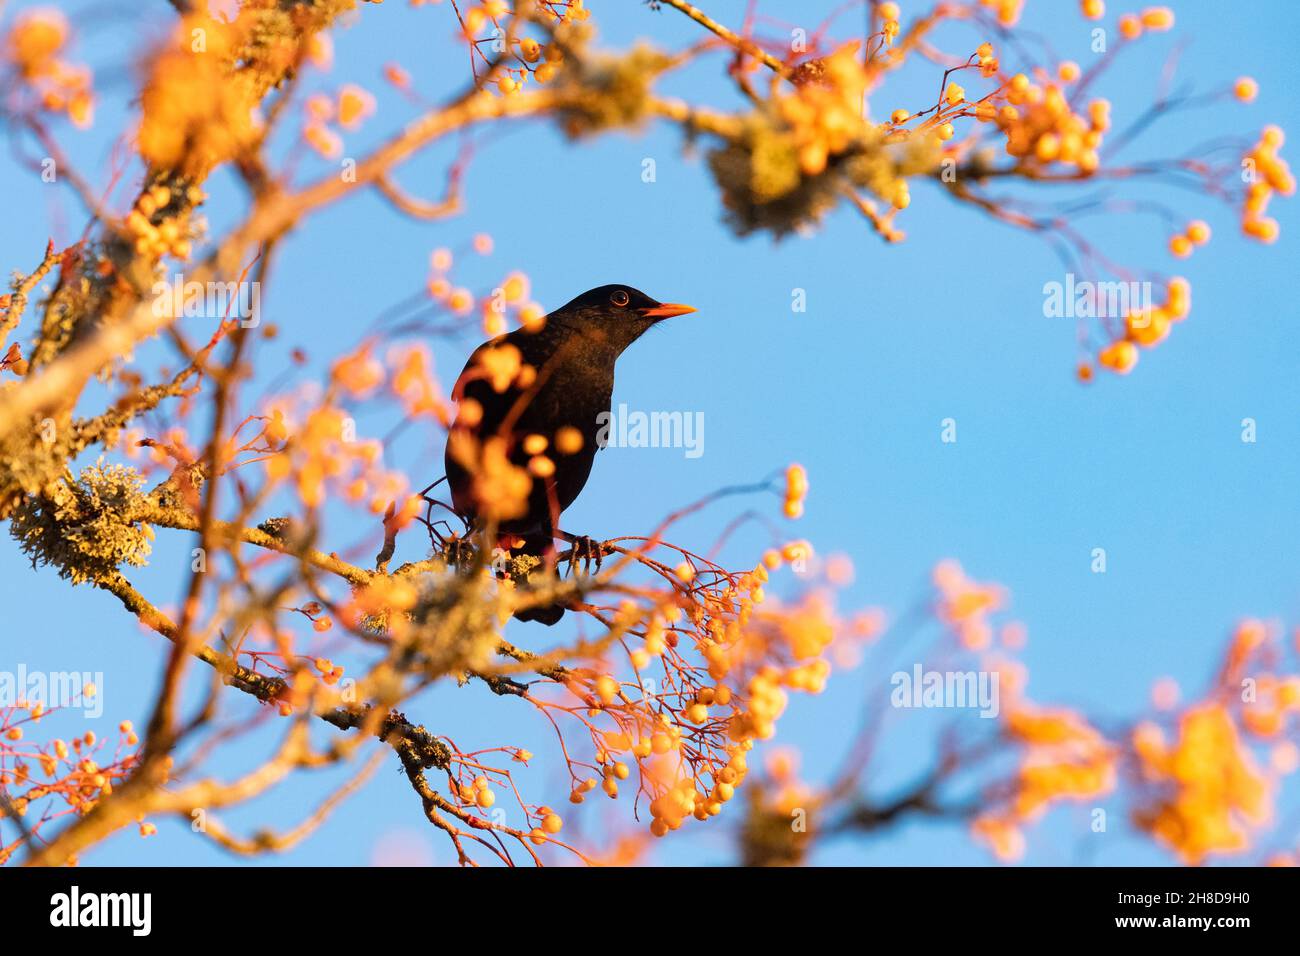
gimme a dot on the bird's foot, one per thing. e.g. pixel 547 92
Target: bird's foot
pixel 458 552
pixel 587 551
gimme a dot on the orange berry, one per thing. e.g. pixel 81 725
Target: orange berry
pixel 1048 147
pixel 1119 356
pixel 1198 231
pixel 1099 114
pixel 1157 18
pixel 460 301
pixel 1180 246
pixel 355 104
pixel 1180 297
pixel 606 689
pixel 568 440
pixel 1263 229
pixel 397 76
pixel 1245 89
pixel 1148 326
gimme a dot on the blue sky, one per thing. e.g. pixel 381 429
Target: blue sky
pixel 1200 528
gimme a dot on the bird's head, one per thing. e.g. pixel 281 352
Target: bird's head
pixel 614 314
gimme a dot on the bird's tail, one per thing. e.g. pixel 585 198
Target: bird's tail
pixel 542 546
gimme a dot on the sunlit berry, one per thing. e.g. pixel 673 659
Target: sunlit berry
pixel 1158 18
pixel 1119 356
pixel 1263 229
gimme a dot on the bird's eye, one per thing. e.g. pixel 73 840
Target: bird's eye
pixel 620 298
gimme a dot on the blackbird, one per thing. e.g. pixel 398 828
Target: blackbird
pixel 572 354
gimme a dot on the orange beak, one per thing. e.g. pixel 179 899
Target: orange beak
pixel 666 310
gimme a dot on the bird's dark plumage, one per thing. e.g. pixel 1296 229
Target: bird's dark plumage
pixel 570 384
